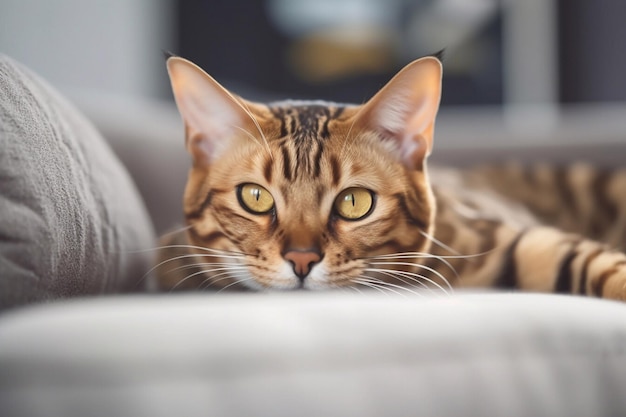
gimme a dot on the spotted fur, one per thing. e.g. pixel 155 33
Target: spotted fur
pixel 508 227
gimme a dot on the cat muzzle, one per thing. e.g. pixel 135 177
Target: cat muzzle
pixel 302 261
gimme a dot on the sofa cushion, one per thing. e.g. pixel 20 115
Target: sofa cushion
pixel 316 354
pixel 70 214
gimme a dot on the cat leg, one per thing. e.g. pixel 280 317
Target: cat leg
pixel 547 259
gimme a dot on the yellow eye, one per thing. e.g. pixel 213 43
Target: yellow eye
pixel 354 203
pixel 255 198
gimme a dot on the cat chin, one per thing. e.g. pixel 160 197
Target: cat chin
pixel 285 281
pixel 317 280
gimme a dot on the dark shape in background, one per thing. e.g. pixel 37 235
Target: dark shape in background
pixel 237 43
pixel 592 46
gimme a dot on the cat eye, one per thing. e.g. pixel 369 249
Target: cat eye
pixel 255 199
pixel 354 203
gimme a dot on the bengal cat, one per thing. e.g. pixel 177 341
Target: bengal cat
pixel 317 195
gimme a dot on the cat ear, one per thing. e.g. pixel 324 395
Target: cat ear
pixel 211 113
pixel 404 110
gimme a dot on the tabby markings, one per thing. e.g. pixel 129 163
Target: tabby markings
pixel 286 164
pixel 335 170
pixel 197 213
pixel 565 276
pixel 267 170
pixel 207 239
pixel 606 211
pixel 404 207
pixel 508 275
pixel 585 270
pixel 306 128
pixel 563 186
pixel 486 229
pixel 598 285
pixel 316 162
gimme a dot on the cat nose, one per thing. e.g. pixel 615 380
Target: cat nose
pixel 302 261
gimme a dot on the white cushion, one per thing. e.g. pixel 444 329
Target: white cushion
pixel 315 354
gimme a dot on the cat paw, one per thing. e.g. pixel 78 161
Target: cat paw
pixel 607 272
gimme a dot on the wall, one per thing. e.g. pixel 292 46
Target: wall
pixel 110 46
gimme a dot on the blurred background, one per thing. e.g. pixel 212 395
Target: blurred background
pixel 523 79
pixel 512 65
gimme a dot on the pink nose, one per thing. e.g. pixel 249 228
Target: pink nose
pixel 302 261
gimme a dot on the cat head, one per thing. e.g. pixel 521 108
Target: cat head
pixel 307 194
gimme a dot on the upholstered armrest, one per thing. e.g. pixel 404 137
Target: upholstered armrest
pixel 316 354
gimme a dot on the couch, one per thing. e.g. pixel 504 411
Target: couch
pixel 81 335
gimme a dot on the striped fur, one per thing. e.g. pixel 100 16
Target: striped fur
pixel 553 229
pixel 548 229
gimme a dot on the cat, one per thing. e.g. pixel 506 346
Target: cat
pixel 317 195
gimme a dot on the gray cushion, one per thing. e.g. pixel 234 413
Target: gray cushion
pixel 69 213
pixel 316 354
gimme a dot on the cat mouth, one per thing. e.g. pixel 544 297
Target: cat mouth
pixel 285 279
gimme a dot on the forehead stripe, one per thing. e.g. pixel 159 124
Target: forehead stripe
pixel 317 161
pixel 335 170
pixel 267 170
pixel 286 164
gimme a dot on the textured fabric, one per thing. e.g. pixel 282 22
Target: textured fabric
pixel 316 354
pixel 69 214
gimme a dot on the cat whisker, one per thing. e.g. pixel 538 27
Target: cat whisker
pixel 202 248
pixel 207 282
pixel 205 249
pixel 188 266
pixel 368 284
pixel 398 277
pixel 199 265
pixel 413 276
pixel 382 285
pixel 186 278
pixel 222 276
pixel 204 271
pixel 439 243
pixel 245 107
pixel 347 138
pixel 452 250
pixel 195 255
pixel 237 281
pixel 213 253
pixel 185 256
pixel 250 135
pixel 419 255
pixel 203 264
pixel 192 255
pixel 391 285
pixel 176 231
pixel 428 255
pixel 416 278
pixel 429 269
pixel 355 289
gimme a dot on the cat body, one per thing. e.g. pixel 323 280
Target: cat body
pixel 317 195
